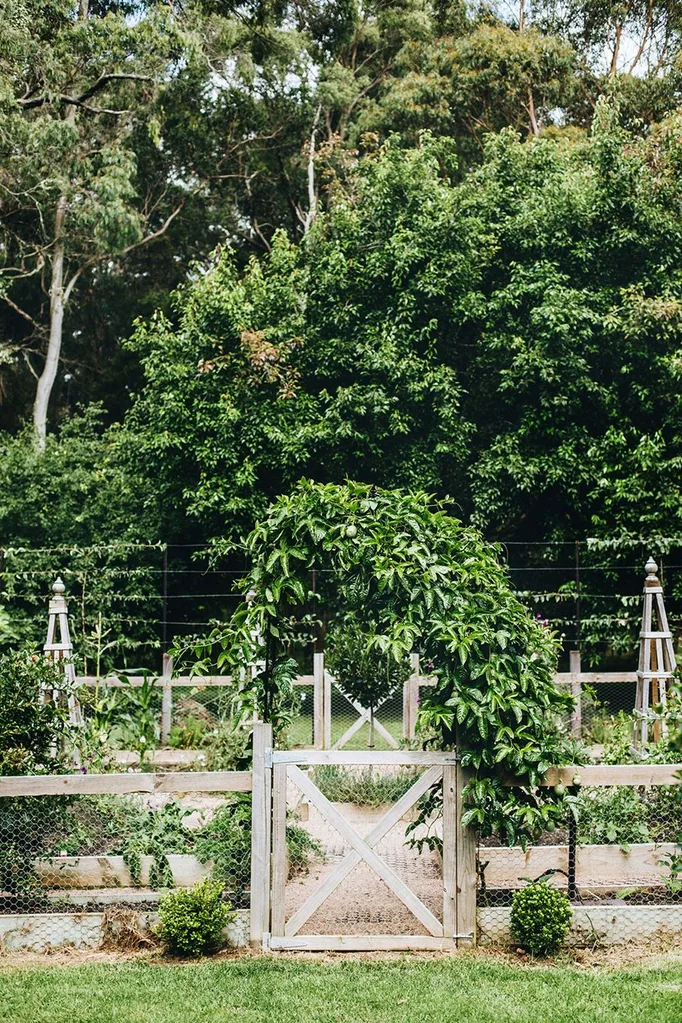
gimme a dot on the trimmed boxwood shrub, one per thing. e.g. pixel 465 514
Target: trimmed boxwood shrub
pixel 193 919
pixel 540 918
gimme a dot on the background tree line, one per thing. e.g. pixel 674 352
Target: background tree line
pixel 418 244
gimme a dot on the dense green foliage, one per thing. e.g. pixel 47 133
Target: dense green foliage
pixel 540 918
pixel 611 816
pixel 496 338
pixel 137 135
pixel 192 920
pixel 31 727
pixel 414 576
pixel 448 242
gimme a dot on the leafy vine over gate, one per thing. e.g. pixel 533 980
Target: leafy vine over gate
pixel 410 575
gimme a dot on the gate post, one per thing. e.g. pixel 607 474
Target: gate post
pixel 411 699
pixel 459 861
pixel 466 868
pixel 261 813
pixel 320 709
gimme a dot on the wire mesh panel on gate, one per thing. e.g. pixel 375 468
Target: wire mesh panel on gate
pixel 351 866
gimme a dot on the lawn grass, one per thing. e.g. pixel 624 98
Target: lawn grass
pixel 462 989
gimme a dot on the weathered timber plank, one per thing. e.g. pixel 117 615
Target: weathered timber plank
pixel 96 784
pixel 261 813
pixel 407 758
pixel 466 867
pixel 568 677
pixel 449 853
pixel 278 860
pixel 615 774
pixel 361 943
pixel 181 681
pixel 596 865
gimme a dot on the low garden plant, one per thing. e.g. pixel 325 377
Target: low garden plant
pixel 540 918
pixel 225 842
pixel 367 787
pixel 612 816
pixel 193 920
pixel 32 730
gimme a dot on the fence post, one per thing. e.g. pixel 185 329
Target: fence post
pixel 327 680
pixel 318 701
pixel 166 699
pixel 576 691
pixel 449 852
pixel 466 878
pixel 261 807
pixel 411 699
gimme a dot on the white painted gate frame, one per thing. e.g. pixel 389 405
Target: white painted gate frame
pixel 269 927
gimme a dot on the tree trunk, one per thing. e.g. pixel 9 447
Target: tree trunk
pixel 54 346
pixel 49 374
pixel 370 740
pixel 534 127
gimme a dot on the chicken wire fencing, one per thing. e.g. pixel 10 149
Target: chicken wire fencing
pixel 618 857
pixel 82 870
pixel 328 888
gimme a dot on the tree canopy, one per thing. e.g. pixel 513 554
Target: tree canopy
pixel 418 244
pixel 495 338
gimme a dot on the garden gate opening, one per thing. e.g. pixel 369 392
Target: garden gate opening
pixel 368 886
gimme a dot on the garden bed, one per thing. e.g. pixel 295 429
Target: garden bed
pixel 42 932
pixel 78 872
pixel 611 923
pixel 598 867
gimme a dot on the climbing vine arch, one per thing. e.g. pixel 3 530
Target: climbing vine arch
pixel 414 577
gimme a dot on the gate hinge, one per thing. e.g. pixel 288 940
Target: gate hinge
pixel 267 757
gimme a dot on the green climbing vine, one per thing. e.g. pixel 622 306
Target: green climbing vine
pixel 410 576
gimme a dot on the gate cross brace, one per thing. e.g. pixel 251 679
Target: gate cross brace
pixel 362 849
pixel 357 725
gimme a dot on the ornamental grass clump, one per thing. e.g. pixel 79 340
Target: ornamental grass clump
pixel 540 918
pixel 193 920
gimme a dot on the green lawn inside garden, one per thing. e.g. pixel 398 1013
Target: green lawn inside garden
pixel 463 989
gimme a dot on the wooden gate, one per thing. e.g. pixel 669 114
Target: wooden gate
pixel 449 918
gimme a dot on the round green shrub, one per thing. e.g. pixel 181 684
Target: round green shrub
pixel 193 919
pixel 540 917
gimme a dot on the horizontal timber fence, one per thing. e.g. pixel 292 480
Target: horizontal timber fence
pixel 315 849
pixel 85 858
pixel 617 855
pixel 326 717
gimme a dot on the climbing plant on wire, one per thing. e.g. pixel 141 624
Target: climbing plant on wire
pixel 412 577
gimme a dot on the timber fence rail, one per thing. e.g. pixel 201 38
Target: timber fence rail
pixel 328 718
pixel 75 849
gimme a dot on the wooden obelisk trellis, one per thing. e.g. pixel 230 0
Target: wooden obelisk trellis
pixel 58 648
pixel 656 659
